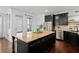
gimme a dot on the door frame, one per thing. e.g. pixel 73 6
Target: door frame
pixel 3 15
pixel 2 24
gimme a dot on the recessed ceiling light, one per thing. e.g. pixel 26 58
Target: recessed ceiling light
pixel 46 11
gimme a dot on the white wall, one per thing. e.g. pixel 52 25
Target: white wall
pixel 4 23
pixel 75 18
pixel 1 26
pixel 37 20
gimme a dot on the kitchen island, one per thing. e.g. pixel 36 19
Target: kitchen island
pixel 39 42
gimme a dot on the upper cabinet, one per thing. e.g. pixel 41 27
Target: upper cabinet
pixel 61 19
pixel 50 22
pixel 48 18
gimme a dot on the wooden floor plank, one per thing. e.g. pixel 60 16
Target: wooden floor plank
pixel 5 46
pixel 64 47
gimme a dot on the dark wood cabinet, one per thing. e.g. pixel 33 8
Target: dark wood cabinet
pixel 34 47
pixel 50 18
pixel 67 36
pixel 78 40
pixel 48 42
pixel 22 47
pixel 61 19
pixel 72 38
pixel 53 22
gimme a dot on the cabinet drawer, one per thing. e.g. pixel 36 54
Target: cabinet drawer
pixel 35 44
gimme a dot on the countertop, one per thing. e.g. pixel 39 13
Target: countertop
pixel 34 36
pixel 76 32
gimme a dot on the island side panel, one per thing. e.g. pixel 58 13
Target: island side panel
pixel 22 47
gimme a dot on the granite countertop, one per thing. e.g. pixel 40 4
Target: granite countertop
pixel 34 36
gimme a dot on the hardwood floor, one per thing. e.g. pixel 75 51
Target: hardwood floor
pixel 64 47
pixel 5 46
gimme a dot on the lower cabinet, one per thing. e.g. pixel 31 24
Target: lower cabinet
pixel 48 42
pixel 67 36
pixel 78 41
pixel 22 47
pixel 42 45
pixel 72 38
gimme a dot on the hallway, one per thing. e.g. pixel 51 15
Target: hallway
pixel 64 47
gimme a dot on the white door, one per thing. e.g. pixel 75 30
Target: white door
pixel 1 27
pixel 25 24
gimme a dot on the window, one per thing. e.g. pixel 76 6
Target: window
pixel 19 23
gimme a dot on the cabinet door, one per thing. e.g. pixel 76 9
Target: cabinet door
pixel 56 20
pixel 61 19
pixel 48 18
pixel 34 47
pixel 22 47
pixel 78 40
pixel 67 36
pixel 45 42
pixel 48 42
pixel 74 39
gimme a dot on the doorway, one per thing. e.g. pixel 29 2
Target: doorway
pixel 4 25
pixel 1 26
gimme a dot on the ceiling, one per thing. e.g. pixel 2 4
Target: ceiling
pixel 41 9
